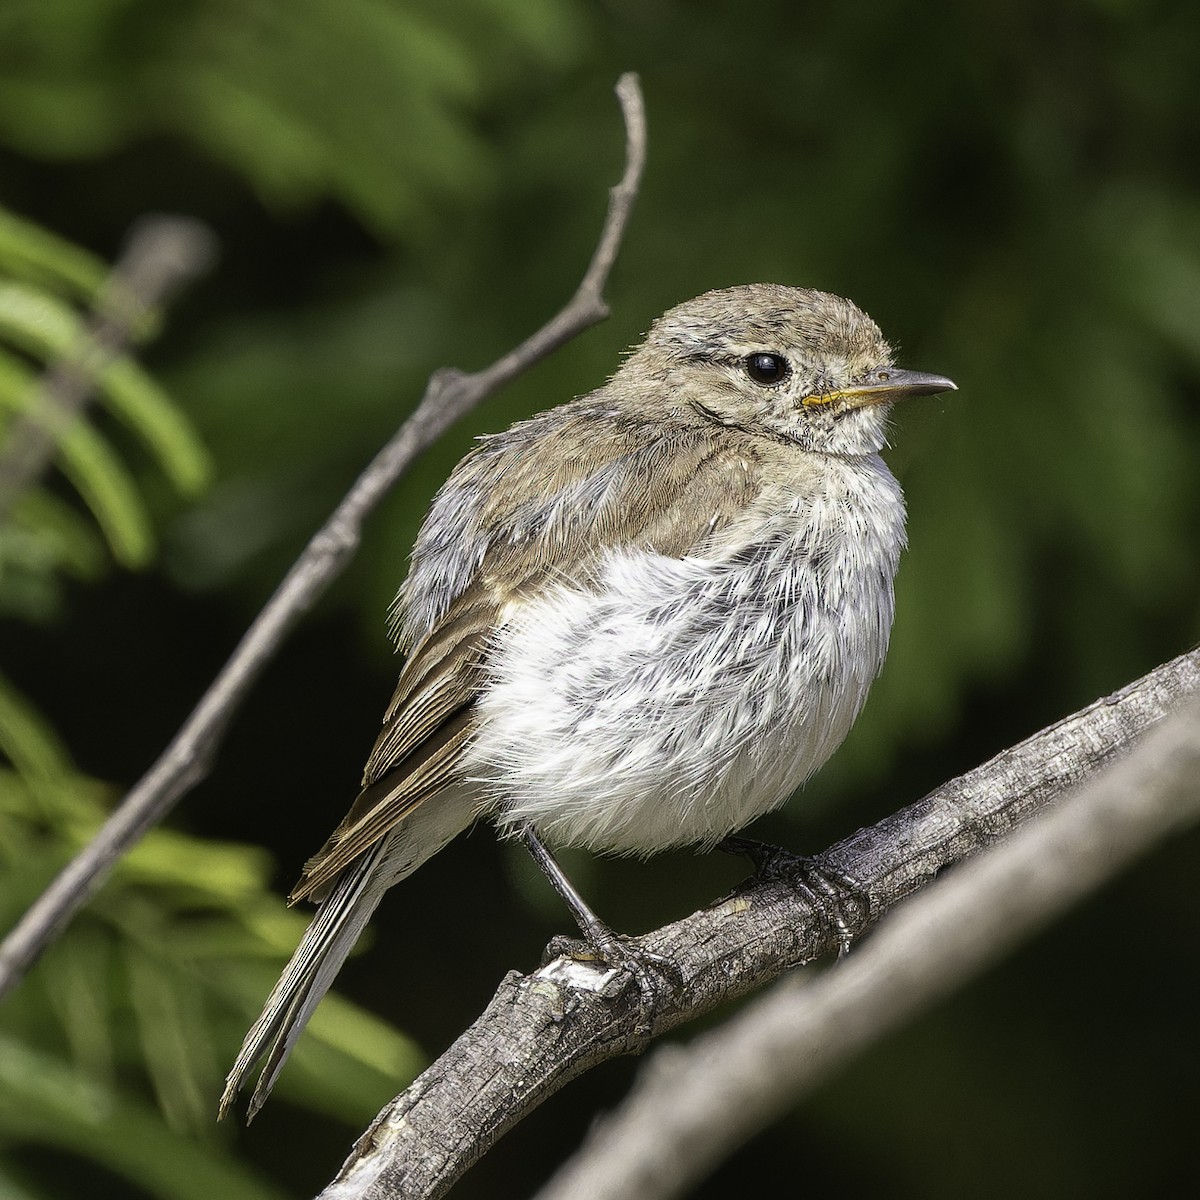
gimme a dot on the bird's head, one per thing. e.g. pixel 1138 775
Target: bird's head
pixel 791 363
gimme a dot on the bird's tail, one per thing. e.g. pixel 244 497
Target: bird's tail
pixel 335 927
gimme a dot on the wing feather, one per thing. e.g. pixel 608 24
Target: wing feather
pixel 663 487
pixel 383 805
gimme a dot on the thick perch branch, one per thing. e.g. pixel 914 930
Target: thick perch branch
pixel 449 395
pixel 690 1108
pixel 541 1030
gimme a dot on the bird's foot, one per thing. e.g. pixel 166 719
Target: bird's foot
pixel 657 977
pixel 838 901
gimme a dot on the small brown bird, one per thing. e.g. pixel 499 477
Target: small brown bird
pixel 636 621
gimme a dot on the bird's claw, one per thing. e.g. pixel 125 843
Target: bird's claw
pixel 838 901
pixel 656 976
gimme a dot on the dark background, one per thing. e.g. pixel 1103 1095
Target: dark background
pixel 1011 191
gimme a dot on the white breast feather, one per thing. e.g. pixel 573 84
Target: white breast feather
pixel 673 700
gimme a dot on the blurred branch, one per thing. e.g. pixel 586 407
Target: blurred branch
pixel 162 255
pixel 691 1108
pixel 449 395
pixel 542 1030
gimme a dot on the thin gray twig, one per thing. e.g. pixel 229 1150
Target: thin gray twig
pixel 449 395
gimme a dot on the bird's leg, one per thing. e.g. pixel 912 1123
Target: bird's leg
pixel 648 970
pixel 601 937
pixel 837 900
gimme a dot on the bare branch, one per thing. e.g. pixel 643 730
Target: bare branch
pixel 162 255
pixel 449 395
pixel 690 1108
pixel 542 1030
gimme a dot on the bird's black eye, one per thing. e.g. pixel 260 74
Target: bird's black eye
pixel 767 368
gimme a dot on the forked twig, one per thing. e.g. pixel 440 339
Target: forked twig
pixel 449 395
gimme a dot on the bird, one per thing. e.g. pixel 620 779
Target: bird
pixel 635 621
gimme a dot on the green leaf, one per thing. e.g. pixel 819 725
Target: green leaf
pixel 44 537
pixel 43 326
pixel 27 739
pixel 134 397
pixel 37 322
pixel 45 533
pixel 93 469
pixel 11 1189
pixel 31 253
pixel 75 976
pixel 226 873
pixel 42 1100
pixel 173 1032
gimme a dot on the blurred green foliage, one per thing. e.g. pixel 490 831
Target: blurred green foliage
pixel 1012 191
pixel 40 277
pixel 140 997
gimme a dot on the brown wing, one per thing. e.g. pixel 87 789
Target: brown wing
pixel 425 729
pixel 691 484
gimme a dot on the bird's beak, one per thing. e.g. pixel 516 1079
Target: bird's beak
pixel 885 385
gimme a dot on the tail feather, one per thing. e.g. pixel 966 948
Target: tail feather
pixel 327 942
pixel 335 927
